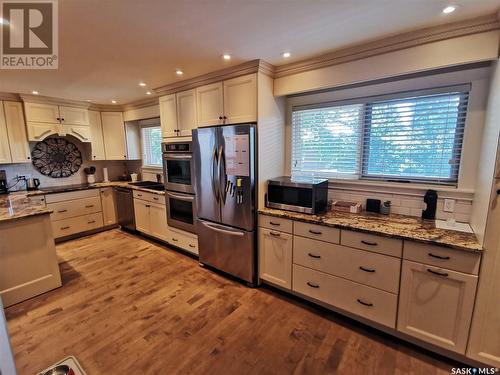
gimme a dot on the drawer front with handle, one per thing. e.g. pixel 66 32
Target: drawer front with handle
pixel 376 270
pixel 362 300
pixel 78 207
pixel 371 242
pixel 317 232
pixel 150 197
pixel 276 223
pixel 71 195
pixel 183 240
pixel 66 227
pixel 457 260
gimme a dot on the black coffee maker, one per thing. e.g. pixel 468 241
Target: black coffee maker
pixel 3 182
pixel 430 200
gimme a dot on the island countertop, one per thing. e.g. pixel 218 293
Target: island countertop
pixel 396 226
pixel 16 206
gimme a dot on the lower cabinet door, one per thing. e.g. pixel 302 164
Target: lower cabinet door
pixel 275 257
pixel 108 206
pixel 435 305
pixel 142 219
pixel 158 221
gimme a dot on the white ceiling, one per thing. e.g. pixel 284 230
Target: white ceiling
pixel 107 46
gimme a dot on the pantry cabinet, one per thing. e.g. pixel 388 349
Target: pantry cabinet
pixel 113 130
pixel 275 257
pixel 109 215
pixel 168 116
pixel 97 144
pixel 16 129
pixel 435 305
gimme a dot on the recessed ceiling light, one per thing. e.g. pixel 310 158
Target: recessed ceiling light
pixel 148 92
pixel 113 101
pixel 179 72
pixel 34 92
pixel 226 56
pixel 285 54
pixel 142 84
pixel 449 9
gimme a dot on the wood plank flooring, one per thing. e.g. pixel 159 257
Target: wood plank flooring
pixel 128 305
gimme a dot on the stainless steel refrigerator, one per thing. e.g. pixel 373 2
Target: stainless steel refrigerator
pixel 224 169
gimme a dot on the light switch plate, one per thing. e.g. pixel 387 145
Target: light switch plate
pixel 449 205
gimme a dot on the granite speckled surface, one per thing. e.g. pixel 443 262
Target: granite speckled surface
pixel 97 185
pixel 18 205
pixel 396 226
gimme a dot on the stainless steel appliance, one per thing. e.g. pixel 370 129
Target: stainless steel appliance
pixel 178 166
pixel 3 182
pixel 224 166
pixel 125 208
pixel 32 183
pixel 181 211
pixel 299 194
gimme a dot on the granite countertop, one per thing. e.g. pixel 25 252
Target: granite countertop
pixel 396 226
pixel 18 205
pixel 97 185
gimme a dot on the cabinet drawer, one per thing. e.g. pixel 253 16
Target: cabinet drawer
pixel 79 207
pixel 276 223
pixel 456 260
pixel 372 242
pixel 38 200
pixel 150 197
pixel 376 270
pixel 62 228
pixel 317 232
pixel 71 195
pixel 362 300
pixel 184 240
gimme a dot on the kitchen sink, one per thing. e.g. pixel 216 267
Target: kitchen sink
pixel 149 185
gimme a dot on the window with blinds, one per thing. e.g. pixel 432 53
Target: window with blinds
pixel 151 146
pixel 399 137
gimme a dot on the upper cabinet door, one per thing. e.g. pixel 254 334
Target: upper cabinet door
pixel 186 112
pixel 133 134
pixel 168 116
pixel 74 115
pixel 209 103
pixel 240 99
pixel 16 127
pixel 113 130
pixel 37 112
pixel 98 151
pixel 4 140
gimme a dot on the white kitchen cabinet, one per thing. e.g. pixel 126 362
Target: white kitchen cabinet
pixel 80 132
pixel 108 204
pixel 133 136
pixel 74 115
pixel 38 112
pixel 158 221
pixel 186 112
pixel 5 156
pixel 38 131
pixel 275 257
pixel 240 99
pixel 97 144
pixel 16 129
pixel 435 305
pixel 184 240
pixel 141 209
pixel 113 130
pixel 210 104
pixel 168 116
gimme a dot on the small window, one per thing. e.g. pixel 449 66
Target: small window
pixel 151 146
pixel 412 138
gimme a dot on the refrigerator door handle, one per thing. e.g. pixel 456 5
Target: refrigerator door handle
pixel 221 229
pixel 215 166
pixel 222 159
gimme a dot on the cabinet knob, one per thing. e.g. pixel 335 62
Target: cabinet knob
pixel 28 157
pixel 220 117
pixel 225 118
pixel 58 118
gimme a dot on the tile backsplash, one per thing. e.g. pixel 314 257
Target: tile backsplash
pixel 115 169
pixel 405 204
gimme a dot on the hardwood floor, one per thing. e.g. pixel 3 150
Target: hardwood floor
pixel 128 305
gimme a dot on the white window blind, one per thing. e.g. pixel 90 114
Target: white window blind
pixel 151 146
pixel 401 137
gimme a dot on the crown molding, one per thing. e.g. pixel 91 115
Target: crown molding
pixel 56 101
pixel 10 97
pixel 390 44
pixel 249 67
pixel 143 103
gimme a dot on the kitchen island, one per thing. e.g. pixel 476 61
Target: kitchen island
pixel 28 261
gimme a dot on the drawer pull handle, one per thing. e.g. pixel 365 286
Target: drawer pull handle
pixel 439 256
pixel 64 228
pixel 191 245
pixel 443 274
pixel 366 269
pixel 312 285
pixel 314 232
pixel 364 303
pixel 368 243
pixel 91 222
pixel 175 239
pixel 147 205
pixel 139 195
pixel 62 211
pixel 275 234
pixel 314 255
pixel 156 198
pixel 273 223
pixel 89 206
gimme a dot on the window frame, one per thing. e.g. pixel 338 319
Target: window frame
pixel 363 150
pixel 143 150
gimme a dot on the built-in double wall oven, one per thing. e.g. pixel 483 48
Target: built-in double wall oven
pixel 178 172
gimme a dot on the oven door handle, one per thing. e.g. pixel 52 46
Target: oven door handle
pixel 218 228
pixel 177 156
pixel 187 198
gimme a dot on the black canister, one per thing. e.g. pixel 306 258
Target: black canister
pixel 430 199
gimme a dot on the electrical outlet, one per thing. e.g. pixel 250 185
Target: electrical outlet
pixel 449 205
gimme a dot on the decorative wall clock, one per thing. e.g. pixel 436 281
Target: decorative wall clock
pixel 56 157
